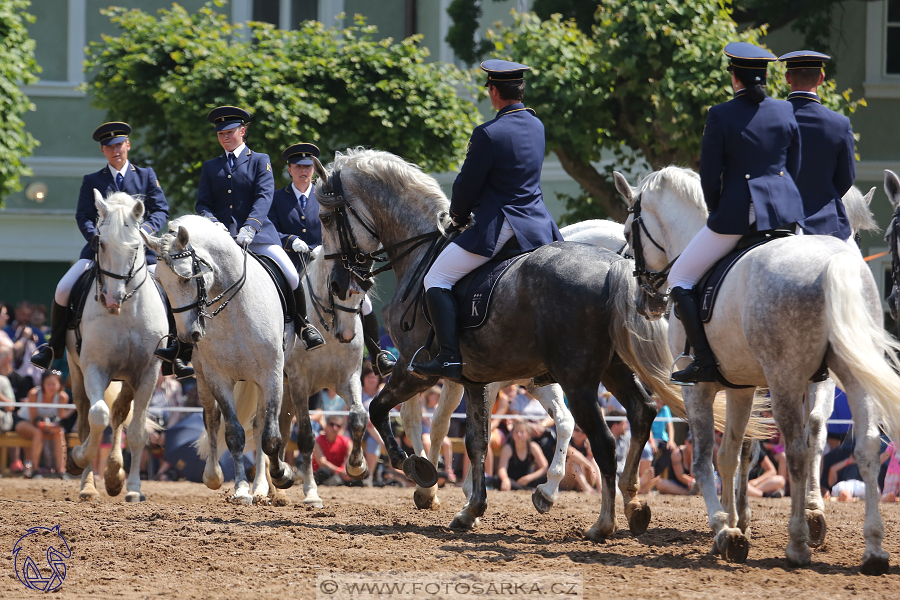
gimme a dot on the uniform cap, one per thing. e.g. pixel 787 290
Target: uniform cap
pixel 504 70
pixel 804 59
pixel 114 132
pixel 228 117
pixel 300 154
pixel 747 56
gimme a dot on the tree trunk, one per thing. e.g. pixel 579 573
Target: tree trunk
pixel 593 183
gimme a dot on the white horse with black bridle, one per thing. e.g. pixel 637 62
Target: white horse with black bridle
pixel 226 303
pixel 120 331
pixel 783 309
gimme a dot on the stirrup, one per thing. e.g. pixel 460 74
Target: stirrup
pixel 52 357
pixel 409 365
pixel 675 366
pixel 167 347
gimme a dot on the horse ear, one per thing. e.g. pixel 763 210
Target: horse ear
pixel 138 211
pixel 183 238
pixel 151 240
pixel 623 187
pixel 892 187
pixel 868 197
pixel 101 205
pixel 320 170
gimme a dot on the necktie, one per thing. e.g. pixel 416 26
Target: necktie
pixel 119 181
pixel 230 160
pixel 302 201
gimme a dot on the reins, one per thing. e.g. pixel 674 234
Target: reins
pixel 319 305
pixel 203 302
pixel 649 281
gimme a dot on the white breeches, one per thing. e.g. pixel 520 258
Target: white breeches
pixel 366 306
pixel 278 254
pixel 454 263
pixel 65 285
pixel 701 253
pixel 849 241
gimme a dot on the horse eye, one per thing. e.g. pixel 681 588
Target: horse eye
pixel 325 219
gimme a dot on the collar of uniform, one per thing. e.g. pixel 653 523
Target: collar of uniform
pixel 237 151
pixel 740 92
pixel 112 171
pixel 804 96
pixel 298 193
pixel 511 108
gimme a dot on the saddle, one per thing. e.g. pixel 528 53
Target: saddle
pixel 77 301
pixel 285 293
pixel 474 292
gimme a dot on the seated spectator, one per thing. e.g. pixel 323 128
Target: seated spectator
pixel 5 338
pixel 166 393
pixel 330 454
pixel 429 400
pixel 371 385
pixel 582 472
pixel 774 448
pixel 527 405
pixel 39 423
pixel 848 490
pixel 764 480
pixel 522 463
pixel 21 385
pixel 7 398
pixel 499 427
pixel 677 478
pixel 891 490
pixel 662 431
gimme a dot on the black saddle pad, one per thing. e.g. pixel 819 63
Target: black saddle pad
pixel 79 297
pixel 285 293
pixel 710 283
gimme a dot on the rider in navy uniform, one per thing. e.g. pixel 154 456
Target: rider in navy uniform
pixel 500 183
pixel 295 215
pixel 235 193
pixel 749 161
pixel 828 168
pixel 119 175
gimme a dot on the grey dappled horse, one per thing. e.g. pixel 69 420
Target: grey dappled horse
pixel 226 304
pixel 120 330
pixel 783 309
pixel 565 309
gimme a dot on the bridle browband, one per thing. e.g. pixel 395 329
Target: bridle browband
pixel 126 278
pixel 649 281
pixel 203 302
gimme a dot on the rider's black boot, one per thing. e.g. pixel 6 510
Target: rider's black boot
pixel 448 363
pixel 309 335
pixel 178 354
pixel 382 361
pixel 45 355
pixel 704 366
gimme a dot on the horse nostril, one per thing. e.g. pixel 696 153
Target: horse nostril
pixel 195 336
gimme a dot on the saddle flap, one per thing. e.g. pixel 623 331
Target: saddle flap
pixel 285 293
pixel 79 297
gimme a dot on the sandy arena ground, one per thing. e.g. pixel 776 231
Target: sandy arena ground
pixel 188 542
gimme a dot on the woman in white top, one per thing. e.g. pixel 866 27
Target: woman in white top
pixel 39 423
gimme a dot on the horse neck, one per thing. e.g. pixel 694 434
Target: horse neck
pixel 397 226
pixel 680 219
pixel 227 264
pixel 318 271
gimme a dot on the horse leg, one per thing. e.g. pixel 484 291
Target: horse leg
pixel 260 488
pixel 478 432
pixel 868 442
pixel 114 477
pixel 137 432
pixel 98 416
pixel 234 439
pixel 641 409
pixel 730 540
pixel 552 399
pixel 212 420
pixel 822 394
pixel 277 497
pixel 742 504
pixel 351 390
pixel 88 490
pixel 586 410
pixel 306 443
pixel 789 415
pixel 451 394
pixel 282 475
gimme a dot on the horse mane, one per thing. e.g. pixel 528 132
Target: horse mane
pixel 192 222
pixel 400 177
pixel 120 225
pixel 861 218
pixel 680 181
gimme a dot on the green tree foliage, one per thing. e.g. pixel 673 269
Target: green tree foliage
pixel 17 66
pixel 634 92
pixel 336 88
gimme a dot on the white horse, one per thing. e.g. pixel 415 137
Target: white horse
pixel 337 365
pixel 119 333
pixel 783 309
pixel 597 232
pixel 240 336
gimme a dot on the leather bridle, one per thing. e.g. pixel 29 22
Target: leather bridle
pixel 651 282
pixel 318 304
pixel 126 278
pixel 203 302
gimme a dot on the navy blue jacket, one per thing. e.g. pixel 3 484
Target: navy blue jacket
pixel 139 181
pixel 828 169
pixel 244 194
pixel 749 151
pixel 292 223
pixel 501 177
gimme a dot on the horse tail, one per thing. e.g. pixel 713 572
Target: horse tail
pixel 245 398
pixel 869 352
pixel 643 345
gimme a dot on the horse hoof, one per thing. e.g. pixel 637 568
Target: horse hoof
pixel 214 483
pixel 733 546
pixel 424 500
pixel 816 522
pixel 875 564
pixel 261 500
pixel 284 482
pixel 115 483
pixel 313 501
pixel 542 503
pixel 72 467
pixel 638 514
pixel 421 471
pixel 359 476
pixel 595 535
pixel 244 499
pixel 89 495
pixel 135 497
pixel 463 522
pixel 279 498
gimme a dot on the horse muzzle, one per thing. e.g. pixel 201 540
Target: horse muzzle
pixel 651 308
pixel 111 305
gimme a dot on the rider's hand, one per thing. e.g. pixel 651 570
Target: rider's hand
pixel 459 221
pixel 95 242
pixel 221 226
pixel 245 235
pixel 299 246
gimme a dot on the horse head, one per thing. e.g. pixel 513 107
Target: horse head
pixel 120 253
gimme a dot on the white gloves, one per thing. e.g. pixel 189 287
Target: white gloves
pixel 299 246
pixel 245 235
pixel 221 226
